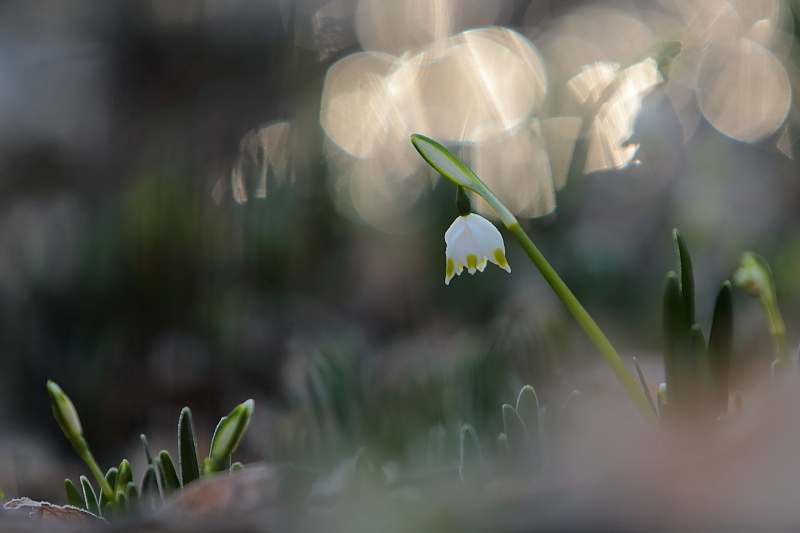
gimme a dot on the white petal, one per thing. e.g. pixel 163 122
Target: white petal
pixel 473 237
pixel 455 230
pixel 487 237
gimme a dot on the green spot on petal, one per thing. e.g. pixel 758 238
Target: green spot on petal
pixel 500 258
pixel 472 261
pixel 450 268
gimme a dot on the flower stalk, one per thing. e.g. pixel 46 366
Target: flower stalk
pixel 447 164
pixel 586 322
pixel 754 278
pixel 67 418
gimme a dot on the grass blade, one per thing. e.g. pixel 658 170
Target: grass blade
pixel 124 476
pixel 720 348
pixel 528 411
pixel 502 449
pixel 470 455
pixel 687 276
pixel 74 497
pixel 111 479
pixel 146 449
pixel 700 377
pixel 132 497
pixel 90 496
pixel 166 469
pixel 187 448
pixel 519 444
pixel 676 337
pixel 569 407
pixel 150 495
pixel 645 388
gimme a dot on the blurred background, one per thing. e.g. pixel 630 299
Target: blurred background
pixel 204 201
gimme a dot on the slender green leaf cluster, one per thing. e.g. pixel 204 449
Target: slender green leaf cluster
pixel 518 446
pixel 118 492
pixel 696 372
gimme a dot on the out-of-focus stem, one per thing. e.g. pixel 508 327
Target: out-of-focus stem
pixel 754 278
pixel 777 330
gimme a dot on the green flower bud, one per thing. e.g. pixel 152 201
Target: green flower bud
pixel 449 166
pixel 64 411
pixel 753 276
pixel 229 432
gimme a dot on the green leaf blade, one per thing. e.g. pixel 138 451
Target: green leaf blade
pixel 111 479
pixel 187 448
pixel 470 462
pixel 502 449
pixel 74 497
pixel 570 407
pixel 150 495
pixel 132 497
pixel 720 348
pixel 146 448
pixel 676 340
pixel 90 496
pixel 519 445
pixel 166 469
pixel 687 277
pixel 528 411
pixel 124 476
pixel 645 388
pixel 699 374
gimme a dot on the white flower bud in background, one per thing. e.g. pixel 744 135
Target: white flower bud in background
pixel 753 276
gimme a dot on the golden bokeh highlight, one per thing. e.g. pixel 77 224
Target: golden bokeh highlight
pixel 743 90
pixel 478 87
pixel 516 167
pixel 730 69
pixel 513 106
pixel 618 96
pixel 478 84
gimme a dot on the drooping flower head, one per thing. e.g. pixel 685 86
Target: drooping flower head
pixel 471 242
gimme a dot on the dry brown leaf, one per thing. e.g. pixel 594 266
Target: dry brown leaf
pixel 225 495
pixel 47 512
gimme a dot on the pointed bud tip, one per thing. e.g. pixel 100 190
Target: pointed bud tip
pixel 64 411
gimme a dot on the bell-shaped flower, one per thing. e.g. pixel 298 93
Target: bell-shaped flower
pixel 471 242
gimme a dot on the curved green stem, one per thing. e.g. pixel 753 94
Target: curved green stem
pixel 448 165
pixel 777 329
pixel 586 322
pixel 754 278
pixel 84 453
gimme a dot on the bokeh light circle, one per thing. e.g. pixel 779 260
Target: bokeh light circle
pixel 743 91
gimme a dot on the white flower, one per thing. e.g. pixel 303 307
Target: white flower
pixel 471 242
